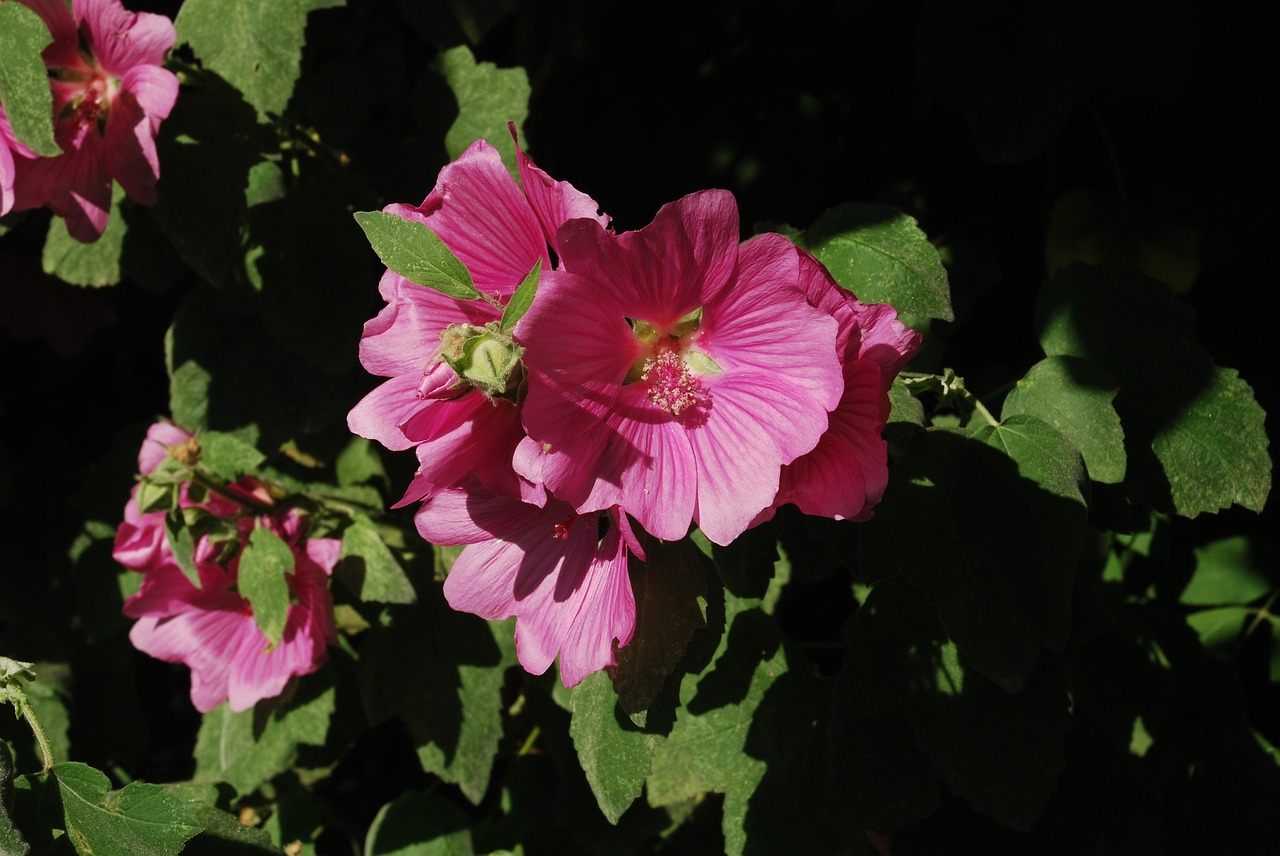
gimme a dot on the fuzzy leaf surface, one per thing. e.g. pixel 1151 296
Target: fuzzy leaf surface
pixel 882 256
pixel 24 82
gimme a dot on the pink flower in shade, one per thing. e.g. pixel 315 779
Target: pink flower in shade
pixel 672 372
pixel 568 588
pixel 110 94
pixel 845 475
pixel 498 231
pixel 211 627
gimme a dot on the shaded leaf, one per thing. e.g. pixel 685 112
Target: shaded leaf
pixel 1052 490
pixel 442 673
pixel 705 751
pixel 1231 571
pixel 255 45
pixel 671 594
pixel 1074 396
pixel 417 253
pixel 369 568
pixel 614 753
pixel 880 254
pixel 419 824
pixel 93 264
pixel 24 82
pixel 980 547
pixel 1194 433
pixel 11 841
pixel 1001 752
pixel 249 748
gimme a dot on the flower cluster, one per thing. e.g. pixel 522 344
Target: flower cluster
pixel 205 622
pixel 671 376
pixel 110 94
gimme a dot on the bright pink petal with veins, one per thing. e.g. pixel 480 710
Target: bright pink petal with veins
pixel 122 39
pixel 481 215
pixel 553 202
pixel 147 94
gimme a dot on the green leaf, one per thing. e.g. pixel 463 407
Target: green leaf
pixel 24 82
pixel 1052 491
pixel 94 264
pixel 671 594
pixel 264 565
pixel 208 146
pixel 369 568
pixel 255 45
pixel 249 748
pixel 614 753
pixel 705 751
pixel 1231 571
pixel 182 545
pixel 1221 626
pixel 1001 752
pixel 983 553
pixel 358 463
pixel 488 98
pixel 451 701
pixel 880 254
pixel 11 841
pixel 221 834
pixel 1075 396
pixel 1194 433
pixel 417 253
pixel 228 456
pixel 522 299
pixel 419 824
pixel 140 820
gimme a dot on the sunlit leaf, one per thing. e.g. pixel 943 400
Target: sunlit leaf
pixel 140 820
pixel 417 253
pixel 1074 396
pixel 264 565
pixel 881 255
pixel 24 82
pixel 255 45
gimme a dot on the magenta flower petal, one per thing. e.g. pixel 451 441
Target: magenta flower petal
pixel 553 202
pixel 110 94
pixel 673 373
pixel 380 414
pixel 481 215
pixel 123 40
pixel 845 476
pixel 546 566
pixel 146 96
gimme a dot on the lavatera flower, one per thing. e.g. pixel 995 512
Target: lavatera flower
pixel 499 230
pixel 110 94
pixel 673 372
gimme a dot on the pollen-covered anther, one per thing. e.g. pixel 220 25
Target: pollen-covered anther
pixel 671 386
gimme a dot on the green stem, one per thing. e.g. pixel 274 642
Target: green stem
pixel 529 741
pixel 30 715
pixel 981 408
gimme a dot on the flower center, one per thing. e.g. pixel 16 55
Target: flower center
pixel 671 386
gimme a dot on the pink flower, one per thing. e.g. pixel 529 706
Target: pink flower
pixel 110 94
pixel 567 587
pixel 211 627
pixel 499 232
pixel 673 372
pixel 845 475
pixel 8 144
pixel 213 631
